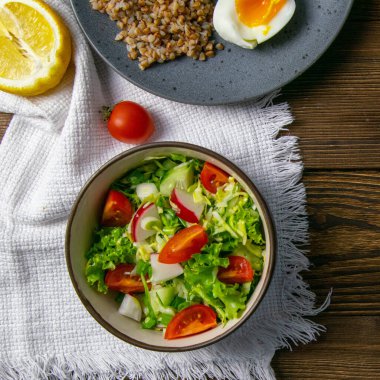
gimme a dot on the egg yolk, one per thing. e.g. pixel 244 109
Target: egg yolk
pixel 257 12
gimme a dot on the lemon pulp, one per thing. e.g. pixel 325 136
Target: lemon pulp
pixel 35 47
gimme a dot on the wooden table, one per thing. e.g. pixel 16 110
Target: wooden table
pixel 337 109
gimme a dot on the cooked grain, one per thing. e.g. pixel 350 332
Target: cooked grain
pixel 161 30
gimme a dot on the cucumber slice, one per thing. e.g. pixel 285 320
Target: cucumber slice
pixel 160 300
pixel 166 294
pixel 181 176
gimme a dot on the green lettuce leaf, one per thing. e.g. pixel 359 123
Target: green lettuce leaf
pixel 252 221
pixel 200 278
pixel 180 303
pixel 210 257
pixel 170 221
pixel 110 248
pixel 144 268
pixel 232 296
pixel 150 320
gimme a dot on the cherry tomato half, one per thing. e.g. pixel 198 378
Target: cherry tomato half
pixel 238 271
pixel 183 245
pixel 121 280
pixel 192 320
pixel 130 123
pixel 118 210
pixel 212 177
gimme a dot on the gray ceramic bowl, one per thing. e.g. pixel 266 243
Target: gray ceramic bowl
pixel 84 218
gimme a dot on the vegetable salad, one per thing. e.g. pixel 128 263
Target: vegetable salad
pixel 181 243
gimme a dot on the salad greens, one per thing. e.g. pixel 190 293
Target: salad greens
pixel 111 247
pixel 229 218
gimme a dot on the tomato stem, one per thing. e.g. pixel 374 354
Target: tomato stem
pixel 106 112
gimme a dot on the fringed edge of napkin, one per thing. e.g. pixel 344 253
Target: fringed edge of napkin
pixel 298 300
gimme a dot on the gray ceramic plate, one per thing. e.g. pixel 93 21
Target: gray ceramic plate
pixel 235 74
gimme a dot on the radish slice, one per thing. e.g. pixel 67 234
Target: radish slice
pixel 144 190
pixel 185 207
pixel 144 217
pixel 131 308
pixel 163 272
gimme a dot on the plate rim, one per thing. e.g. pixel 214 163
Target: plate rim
pixel 217 103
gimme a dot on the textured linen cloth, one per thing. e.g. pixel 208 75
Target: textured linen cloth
pixel 53 145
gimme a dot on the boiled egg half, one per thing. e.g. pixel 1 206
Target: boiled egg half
pixel 250 22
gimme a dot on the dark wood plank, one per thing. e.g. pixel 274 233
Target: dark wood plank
pixel 5 118
pixel 350 349
pixel 344 209
pixel 336 102
pixel 365 10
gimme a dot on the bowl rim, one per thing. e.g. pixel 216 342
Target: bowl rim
pixel 266 216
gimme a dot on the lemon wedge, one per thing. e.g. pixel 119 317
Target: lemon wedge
pixel 35 47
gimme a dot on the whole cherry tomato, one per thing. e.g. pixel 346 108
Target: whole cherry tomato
pixel 192 320
pixel 130 123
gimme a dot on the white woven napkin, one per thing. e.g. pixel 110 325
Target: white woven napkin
pixel 54 143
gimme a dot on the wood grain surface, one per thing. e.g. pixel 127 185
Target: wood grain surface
pixel 336 103
pixel 337 109
pixel 346 351
pixel 5 118
pixel 344 209
pixel 337 117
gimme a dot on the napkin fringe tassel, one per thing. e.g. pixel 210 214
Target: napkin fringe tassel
pixel 290 329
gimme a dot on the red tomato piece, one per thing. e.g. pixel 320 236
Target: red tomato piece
pixel 183 245
pixel 238 271
pixel 192 320
pixel 130 123
pixel 212 177
pixel 118 210
pixel 120 279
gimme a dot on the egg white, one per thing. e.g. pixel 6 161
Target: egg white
pixel 230 28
